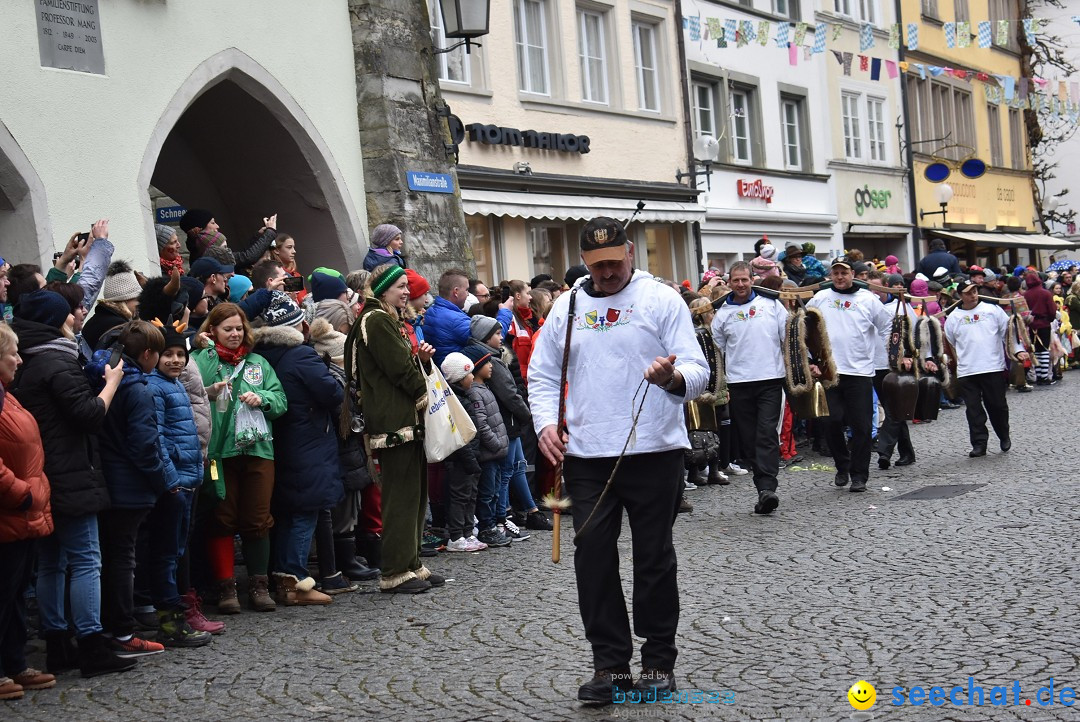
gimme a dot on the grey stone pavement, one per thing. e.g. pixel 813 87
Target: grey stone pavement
pixel 785 611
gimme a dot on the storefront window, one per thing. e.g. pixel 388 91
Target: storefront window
pixel 547 243
pixel 660 251
pixel 485 249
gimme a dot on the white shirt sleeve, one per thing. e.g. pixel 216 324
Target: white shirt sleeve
pixel 545 366
pixel 678 337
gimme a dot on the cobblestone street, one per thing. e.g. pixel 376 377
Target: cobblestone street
pixel 786 611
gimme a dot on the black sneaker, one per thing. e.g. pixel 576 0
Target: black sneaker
pixel 601 689
pixel 858 485
pixel 537 521
pixel 977 451
pixel 660 680
pixel 841 478
pixel 1006 444
pixel 883 463
pixel 905 461
pixel 493 538
pixel 767 502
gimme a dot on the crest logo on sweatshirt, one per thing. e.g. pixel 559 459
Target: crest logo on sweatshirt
pixel 973 318
pixel 253 375
pixel 747 315
pixel 841 304
pixel 593 321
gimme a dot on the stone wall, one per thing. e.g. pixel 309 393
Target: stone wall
pixel 397 90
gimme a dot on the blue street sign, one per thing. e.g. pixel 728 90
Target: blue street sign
pixel 430 182
pixel 169 214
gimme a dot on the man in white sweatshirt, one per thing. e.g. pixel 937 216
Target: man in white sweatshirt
pixel 750 330
pixel 978 330
pixel 857 322
pixel 631 339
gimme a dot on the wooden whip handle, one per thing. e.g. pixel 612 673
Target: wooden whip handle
pixel 556 536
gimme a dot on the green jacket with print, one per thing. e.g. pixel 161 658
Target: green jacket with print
pixel 391 383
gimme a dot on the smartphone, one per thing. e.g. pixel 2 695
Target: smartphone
pixel 83 238
pixel 56 256
pixel 294 284
pixel 116 351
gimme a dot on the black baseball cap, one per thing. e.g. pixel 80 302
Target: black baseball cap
pixel 842 261
pixel 602 239
pixel 964 285
pixel 205 267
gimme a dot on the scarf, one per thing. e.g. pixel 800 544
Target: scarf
pixel 230 356
pixel 167 267
pixel 62 345
pixel 525 313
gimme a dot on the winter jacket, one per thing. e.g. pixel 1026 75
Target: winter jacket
pixel 307 474
pixel 513 409
pixel 22 472
pixel 814 267
pixel 1041 303
pixel 446 327
pixel 92 275
pixel 131 447
pixel 256 249
pixel 464 462
pixel 378 256
pixel 935 260
pixel 200 402
pixel 51 385
pixel 490 428
pixel 105 317
pixel 258 376
pixel 522 334
pixel 257 302
pixel 182 455
pixel 351 453
pixel 795 274
pixel 391 384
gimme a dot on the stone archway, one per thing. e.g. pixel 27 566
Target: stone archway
pixel 234 141
pixel 25 230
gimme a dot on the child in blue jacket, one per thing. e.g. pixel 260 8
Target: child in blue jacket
pixel 169 523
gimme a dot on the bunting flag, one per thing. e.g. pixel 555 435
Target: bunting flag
pixel 1074 92
pixel 695 28
pixel 904 66
pixel 839 56
pixel 890 69
pixel 1029 30
pixel 783 35
pixel 819 38
pixel 793 54
pixel 837 31
pixel 984 34
pixel 800 33
pixel 866 37
pixel 746 32
pixel 864 63
pixel 1062 93
pixel 875 69
pixel 848 57
pixel 1002 32
pixel 950 35
pixel 730 30
pixel 1024 88
pixel 894 36
pixel 963 34
pixel 716 29
pixel 1009 84
pixel 913 36
pixel 807 52
pixel 763 33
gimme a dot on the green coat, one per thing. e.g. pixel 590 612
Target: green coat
pixel 258 376
pixel 391 383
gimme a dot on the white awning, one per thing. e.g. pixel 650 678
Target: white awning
pixel 566 207
pixel 1008 240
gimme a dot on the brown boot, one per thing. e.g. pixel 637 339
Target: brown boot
pixel 31 678
pixel 227 601
pixel 293 592
pixel 9 689
pixel 259 598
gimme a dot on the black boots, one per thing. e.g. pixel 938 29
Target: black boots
pixel 369 546
pixel 347 562
pixel 95 657
pixel 605 683
pixel 61 654
pixel 716 476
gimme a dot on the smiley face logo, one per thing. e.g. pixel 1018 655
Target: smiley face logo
pixel 862 695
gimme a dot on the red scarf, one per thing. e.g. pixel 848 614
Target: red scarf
pixel 230 356
pixel 167 267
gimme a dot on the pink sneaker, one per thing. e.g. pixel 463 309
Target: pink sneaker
pixel 472 544
pixel 194 616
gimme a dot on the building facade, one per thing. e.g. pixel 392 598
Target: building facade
pixel 770 118
pixel 569 110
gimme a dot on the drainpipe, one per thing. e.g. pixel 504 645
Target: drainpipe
pixel 688 132
pixel 909 154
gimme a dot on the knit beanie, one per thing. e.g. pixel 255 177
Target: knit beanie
pixel 891 260
pixel 335 311
pixel 173 337
pixel 164 234
pixel 120 283
pixel 383 234
pixel 207 240
pixel 326 340
pixel 238 286
pixel 894 279
pixel 195 218
pixel 768 252
pixel 221 254
pixel 328 271
pixel 282 311
pixel 418 285
pixel 47 307
pixel 482 327
pixel 478 356
pixel 455 366
pixel 324 286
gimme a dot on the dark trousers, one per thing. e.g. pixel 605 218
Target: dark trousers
pixel 986 390
pixel 892 431
pixel 404 506
pixel 648 487
pixel 755 408
pixel 169 523
pixel 118 529
pixel 851 403
pixel 461 489
pixel 16 563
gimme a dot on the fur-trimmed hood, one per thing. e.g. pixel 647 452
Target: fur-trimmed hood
pixel 287 336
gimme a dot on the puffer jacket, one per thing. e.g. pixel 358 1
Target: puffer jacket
pixel 50 385
pixel 131 453
pixel 464 462
pixel 180 444
pixel 378 256
pixel 351 453
pixel 105 316
pixel 307 474
pixel 515 412
pixel 490 428
pixel 200 402
pixel 22 472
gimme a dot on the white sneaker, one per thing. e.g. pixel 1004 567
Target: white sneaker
pixel 458 545
pixel 472 544
pixel 734 469
pixel 689 485
pixel 475 530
